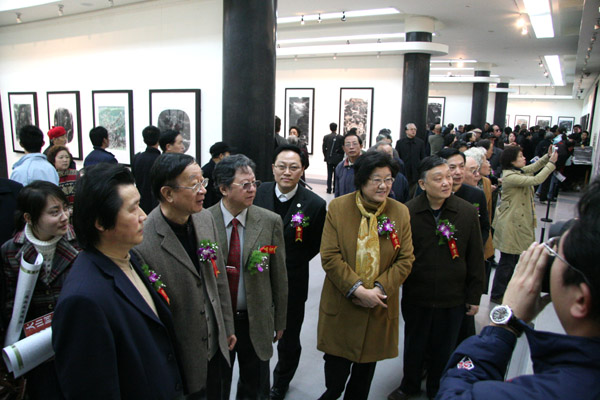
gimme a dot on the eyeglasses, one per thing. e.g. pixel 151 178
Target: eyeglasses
pixel 248 185
pixel 379 181
pixel 554 254
pixel 353 144
pixel 196 187
pixel 292 168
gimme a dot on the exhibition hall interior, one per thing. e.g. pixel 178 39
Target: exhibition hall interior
pixel 127 64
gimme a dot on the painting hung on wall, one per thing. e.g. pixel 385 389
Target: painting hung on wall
pixel 64 110
pixel 23 110
pixel 356 111
pixel 584 121
pixel 299 113
pixel 435 110
pixel 543 121
pixel 567 123
pixel 507 120
pixel 113 109
pixel 179 110
pixel 522 119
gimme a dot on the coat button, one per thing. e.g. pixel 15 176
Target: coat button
pixel 202 312
pixel 50 306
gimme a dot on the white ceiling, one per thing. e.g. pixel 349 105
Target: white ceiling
pixel 482 30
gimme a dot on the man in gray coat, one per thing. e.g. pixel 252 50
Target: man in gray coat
pixel 251 240
pixel 195 285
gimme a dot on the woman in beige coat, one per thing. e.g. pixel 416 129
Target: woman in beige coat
pixel 367 253
pixel 515 219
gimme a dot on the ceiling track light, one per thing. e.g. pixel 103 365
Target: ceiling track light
pixel 60 10
pixel 343 16
pixel 111 3
pixel 546 74
pixel 302 20
pixel 19 18
pixel 541 64
pixel 335 56
pixel 378 54
pixel 520 21
pixel 319 20
pixel 597 25
pixel 524 31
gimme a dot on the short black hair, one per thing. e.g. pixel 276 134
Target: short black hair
pixel 352 132
pixel 97 135
pixel 508 156
pixel 429 163
pixel 581 245
pixel 32 199
pixel 485 143
pixel 366 163
pixel 219 148
pixel 459 143
pixel 385 132
pixel 290 147
pixel 98 200
pixel 167 137
pixel 54 150
pixel 277 124
pixel 448 152
pixel 31 138
pixel 151 134
pixel 333 126
pixel 296 128
pixel 449 139
pixel 224 172
pixel 165 170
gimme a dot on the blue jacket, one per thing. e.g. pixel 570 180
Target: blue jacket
pixel 99 155
pixel 32 167
pixel 344 178
pixel 565 367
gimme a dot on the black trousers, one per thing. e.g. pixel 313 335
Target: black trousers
pixel 218 380
pixel 337 370
pixel 254 377
pixel 289 347
pixel 432 332
pixel 504 272
pixel 331 177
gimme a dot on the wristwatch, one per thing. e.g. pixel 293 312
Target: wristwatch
pixel 503 315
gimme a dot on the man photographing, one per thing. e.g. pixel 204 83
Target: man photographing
pixel 565 366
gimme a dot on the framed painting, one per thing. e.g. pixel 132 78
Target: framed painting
pixel 300 113
pixel 64 110
pixel 507 121
pixel 23 108
pixel 113 109
pixel 567 123
pixel 543 121
pixel 356 111
pixel 522 119
pixel 435 110
pixel 584 122
pixel 179 110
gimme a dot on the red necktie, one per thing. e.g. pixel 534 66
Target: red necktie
pixel 233 260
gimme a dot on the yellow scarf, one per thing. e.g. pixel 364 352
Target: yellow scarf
pixel 367 244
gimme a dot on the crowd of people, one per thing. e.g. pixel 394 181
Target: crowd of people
pixel 160 277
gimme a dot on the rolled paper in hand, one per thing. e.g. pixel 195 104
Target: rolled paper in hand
pixel 24 355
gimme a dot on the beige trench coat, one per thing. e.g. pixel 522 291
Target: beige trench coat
pixel 346 330
pixel 515 222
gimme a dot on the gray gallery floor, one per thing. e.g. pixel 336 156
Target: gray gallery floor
pixel 309 381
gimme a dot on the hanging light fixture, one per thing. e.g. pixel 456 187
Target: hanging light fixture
pixel 302 20
pixel 343 16
pixel 19 18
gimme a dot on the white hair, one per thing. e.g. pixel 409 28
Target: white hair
pixel 476 153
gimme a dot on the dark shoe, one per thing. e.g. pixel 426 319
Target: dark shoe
pixel 277 393
pixel 329 192
pixel 398 394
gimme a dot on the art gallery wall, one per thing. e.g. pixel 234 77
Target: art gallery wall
pixel 150 45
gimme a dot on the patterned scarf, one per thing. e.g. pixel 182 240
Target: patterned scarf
pixel 367 244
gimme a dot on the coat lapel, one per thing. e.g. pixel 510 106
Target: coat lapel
pixel 252 232
pixel 221 231
pixel 300 198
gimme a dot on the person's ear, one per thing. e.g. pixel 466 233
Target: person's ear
pixel 27 218
pixel 581 306
pixel 167 193
pixel 422 184
pixel 223 190
pixel 99 226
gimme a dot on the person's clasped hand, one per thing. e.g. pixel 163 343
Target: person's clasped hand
pixel 369 298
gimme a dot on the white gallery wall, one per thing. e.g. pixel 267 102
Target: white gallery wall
pixel 164 44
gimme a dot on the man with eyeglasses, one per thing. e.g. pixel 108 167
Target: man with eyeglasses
pixel 197 290
pixel 251 241
pixel 294 204
pixel 565 366
pixel 344 172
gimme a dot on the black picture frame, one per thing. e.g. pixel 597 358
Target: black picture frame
pixel 356 111
pixel 543 121
pixel 64 109
pixel 23 110
pixel 179 109
pixel 113 109
pixel 436 108
pixel 522 119
pixel 300 111
pixel 567 123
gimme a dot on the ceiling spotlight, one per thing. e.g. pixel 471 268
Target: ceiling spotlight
pixel 343 16
pixel 302 20
pixel 597 25
pixel 541 64
pixel 524 31
pixel 111 3
pixel 19 18
pixel 520 22
pixel 546 74
pixel 378 54
pixel 347 42
pixel 335 56
pixel 319 20
pixel 60 10
pixel 295 58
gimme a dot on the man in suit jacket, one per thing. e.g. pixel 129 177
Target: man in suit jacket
pixel 333 151
pixel 142 163
pixel 198 290
pixel 218 151
pixel 289 199
pixel 112 328
pixel 251 239
pixel 412 151
pixel 99 138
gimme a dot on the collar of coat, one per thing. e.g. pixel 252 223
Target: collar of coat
pixel 422 203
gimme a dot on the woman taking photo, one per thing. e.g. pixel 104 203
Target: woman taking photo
pixel 61 158
pixel 367 253
pixel 42 228
pixel 515 219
